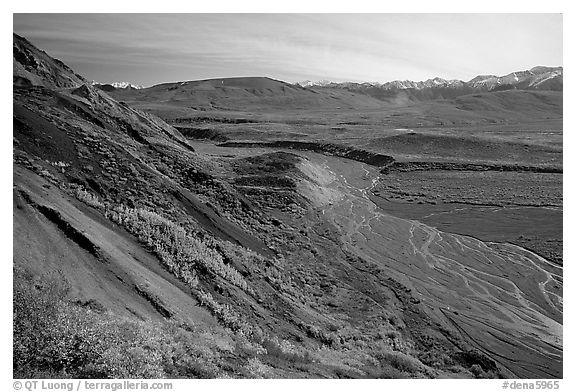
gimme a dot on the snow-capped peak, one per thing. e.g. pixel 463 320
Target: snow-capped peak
pixel 309 83
pixel 393 85
pixel 120 85
pixel 126 85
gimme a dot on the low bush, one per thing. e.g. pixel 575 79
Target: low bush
pixel 401 361
pixel 54 338
pixel 88 198
pixel 179 251
pixel 285 350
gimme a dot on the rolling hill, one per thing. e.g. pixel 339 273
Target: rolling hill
pixel 242 94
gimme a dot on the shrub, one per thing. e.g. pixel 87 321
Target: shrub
pixel 256 369
pixel 285 350
pixel 401 361
pixel 54 338
pixel 88 198
pixel 477 370
pixel 223 312
pixel 180 252
pixel 35 315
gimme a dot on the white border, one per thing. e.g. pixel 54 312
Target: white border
pixel 356 6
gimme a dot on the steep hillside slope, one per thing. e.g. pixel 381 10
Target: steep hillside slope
pixel 32 66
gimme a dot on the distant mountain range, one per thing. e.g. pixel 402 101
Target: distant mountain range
pixel 537 78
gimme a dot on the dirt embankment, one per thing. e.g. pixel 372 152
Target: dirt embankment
pixel 387 162
pixel 456 166
pixel 202 134
pixel 370 158
pixel 221 120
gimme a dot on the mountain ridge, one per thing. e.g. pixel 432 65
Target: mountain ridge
pixel 531 79
pixel 534 76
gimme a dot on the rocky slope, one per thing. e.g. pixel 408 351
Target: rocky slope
pixel 32 66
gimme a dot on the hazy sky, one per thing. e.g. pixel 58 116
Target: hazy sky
pixel 154 48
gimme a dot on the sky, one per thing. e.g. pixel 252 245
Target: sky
pixel 148 49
